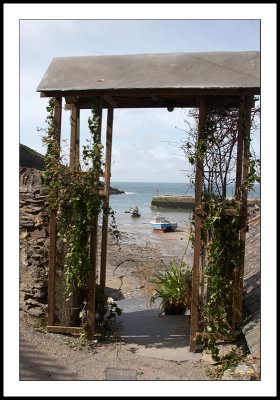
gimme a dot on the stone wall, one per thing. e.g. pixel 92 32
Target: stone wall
pixel 33 243
pixel 34 246
pixel 185 202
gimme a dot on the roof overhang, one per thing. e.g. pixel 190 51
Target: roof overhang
pixel 153 80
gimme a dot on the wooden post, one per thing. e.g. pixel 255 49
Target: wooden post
pixel 240 138
pixel 74 140
pixel 238 192
pixel 106 198
pixel 74 167
pixel 243 224
pixel 93 256
pixel 53 225
pixel 197 243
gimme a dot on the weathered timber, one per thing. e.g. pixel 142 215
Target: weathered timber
pixel 197 240
pixel 72 330
pixel 106 198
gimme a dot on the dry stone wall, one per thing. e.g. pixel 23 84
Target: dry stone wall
pixel 33 243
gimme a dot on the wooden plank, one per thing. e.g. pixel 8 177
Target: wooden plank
pixel 244 220
pixel 239 160
pixel 111 101
pixel 92 274
pixel 238 196
pixel 52 267
pixel 74 139
pixel 104 240
pixel 147 101
pixel 71 330
pixel 158 92
pixel 53 226
pixel 197 243
pixel 93 256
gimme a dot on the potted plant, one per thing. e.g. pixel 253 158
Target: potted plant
pixel 173 288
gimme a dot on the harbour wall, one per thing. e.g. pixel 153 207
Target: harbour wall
pixel 183 202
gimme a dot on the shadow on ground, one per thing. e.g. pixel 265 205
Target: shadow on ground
pixel 36 365
pixel 163 337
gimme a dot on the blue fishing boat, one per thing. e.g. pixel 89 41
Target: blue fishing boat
pixel 161 223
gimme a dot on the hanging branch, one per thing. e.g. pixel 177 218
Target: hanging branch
pixel 220 243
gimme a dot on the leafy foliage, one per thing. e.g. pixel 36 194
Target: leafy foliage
pixel 170 287
pixel 223 261
pixel 76 196
pixel 107 308
pixel 215 149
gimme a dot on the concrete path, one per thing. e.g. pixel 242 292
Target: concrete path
pixel 163 337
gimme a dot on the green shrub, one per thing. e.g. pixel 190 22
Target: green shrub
pixel 173 288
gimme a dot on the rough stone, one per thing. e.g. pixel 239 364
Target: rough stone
pixel 242 372
pixel 34 243
pixel 38 233
pixel 225 349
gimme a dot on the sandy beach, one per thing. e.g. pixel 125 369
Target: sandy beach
pixel 139 255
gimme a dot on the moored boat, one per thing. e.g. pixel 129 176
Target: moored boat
pixel 161 223
pixel 134 211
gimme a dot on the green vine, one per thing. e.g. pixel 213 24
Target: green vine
pixel 223 259
pixel 82 196
pixel 214 151
pixel 76 195
pixel 52 157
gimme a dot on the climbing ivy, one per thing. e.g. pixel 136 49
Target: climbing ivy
pixel 52 157
pixel 76 195
pixel 223 260
pixel 215 147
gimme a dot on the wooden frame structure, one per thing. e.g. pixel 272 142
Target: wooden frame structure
pixel 167 81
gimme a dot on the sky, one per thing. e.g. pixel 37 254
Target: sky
pixel 140 140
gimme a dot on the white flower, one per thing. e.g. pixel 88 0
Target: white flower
pixel 110 300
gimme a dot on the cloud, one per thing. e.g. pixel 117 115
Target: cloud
pixel 141 137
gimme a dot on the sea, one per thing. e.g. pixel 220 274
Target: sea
pixel 141 195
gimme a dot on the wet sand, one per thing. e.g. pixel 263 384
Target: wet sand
pixel 139 255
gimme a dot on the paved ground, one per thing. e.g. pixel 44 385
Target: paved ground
pixel 163 337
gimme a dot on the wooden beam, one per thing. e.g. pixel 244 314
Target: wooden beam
pixel 53 225
pixel 93 255
pixel 71 330
pixel 92 275
pixel 106 199
pixel 238 195
pixel 153 91
pixel 112 102
pixel 159 101
pixel 239 160
pixel 75 139
pixel 198 222
pixel 244 219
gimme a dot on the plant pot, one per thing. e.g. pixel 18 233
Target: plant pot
pixel 174 309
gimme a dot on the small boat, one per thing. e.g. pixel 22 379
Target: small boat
pixel 160 223
pixel 134 211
